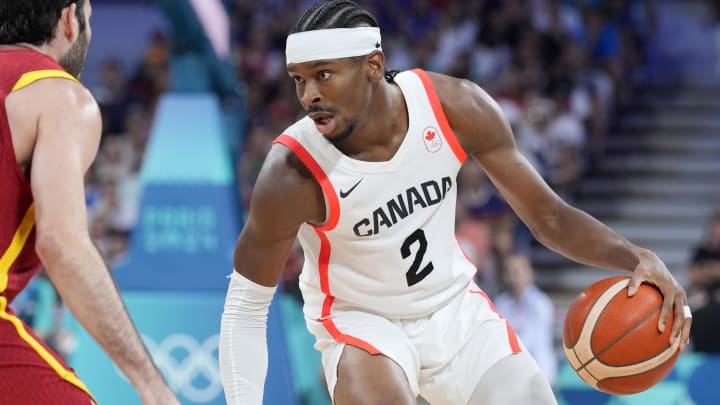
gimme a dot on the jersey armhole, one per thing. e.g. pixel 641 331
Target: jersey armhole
pixel 331 199
pixel 31 77
pixel 434 100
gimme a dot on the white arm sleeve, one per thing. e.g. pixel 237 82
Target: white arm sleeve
pixel 243 344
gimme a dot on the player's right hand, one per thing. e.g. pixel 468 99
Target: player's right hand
pixel 652 270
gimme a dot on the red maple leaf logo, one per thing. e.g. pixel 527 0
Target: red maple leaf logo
pixel 430 135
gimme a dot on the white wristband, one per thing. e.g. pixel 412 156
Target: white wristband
pixel 243 342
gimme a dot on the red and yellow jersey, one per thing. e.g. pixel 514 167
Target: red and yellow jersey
pixel 18 260
pixel 23 357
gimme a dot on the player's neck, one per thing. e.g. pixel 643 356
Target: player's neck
pixel 25 46
pixel 383 126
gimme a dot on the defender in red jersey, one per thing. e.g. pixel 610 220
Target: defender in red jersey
pixel 49 134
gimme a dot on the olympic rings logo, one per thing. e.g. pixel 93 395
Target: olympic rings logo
pixel 190 367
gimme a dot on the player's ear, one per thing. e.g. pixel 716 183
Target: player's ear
pixel 70 26
pixel 376 66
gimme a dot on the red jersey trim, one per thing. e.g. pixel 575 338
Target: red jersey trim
pixel 465 253
pixel 440 115
pixel 325 246
pixel 512 337
pixel 317 172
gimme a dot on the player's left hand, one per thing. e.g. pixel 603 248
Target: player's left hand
pixel 652 270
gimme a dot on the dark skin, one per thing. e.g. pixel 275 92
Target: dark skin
pixel 355 92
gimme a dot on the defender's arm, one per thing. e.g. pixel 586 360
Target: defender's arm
pixel 68 134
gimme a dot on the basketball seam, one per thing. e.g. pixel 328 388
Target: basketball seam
pixel 609 345
pixel 590 370
pixel 587 313
pixel 582 329
pixel 634 327
pixel 660 358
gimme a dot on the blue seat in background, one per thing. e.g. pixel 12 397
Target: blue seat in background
pixel 704 383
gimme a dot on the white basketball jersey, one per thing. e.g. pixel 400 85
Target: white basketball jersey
pixel 388 245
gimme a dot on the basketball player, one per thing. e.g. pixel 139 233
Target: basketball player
pixel 367 181
pixel 49 135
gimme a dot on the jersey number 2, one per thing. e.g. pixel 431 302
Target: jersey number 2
pixel 415 274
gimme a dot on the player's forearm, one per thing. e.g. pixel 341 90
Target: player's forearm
pixel 243 342
pixel 83 281
pixel 579 236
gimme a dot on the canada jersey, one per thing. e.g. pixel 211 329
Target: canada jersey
pixel 388 244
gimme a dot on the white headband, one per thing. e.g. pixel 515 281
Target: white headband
pixel 332 43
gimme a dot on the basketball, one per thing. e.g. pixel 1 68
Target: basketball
pixel 612 341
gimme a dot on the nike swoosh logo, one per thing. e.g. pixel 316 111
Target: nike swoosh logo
pixel 344 194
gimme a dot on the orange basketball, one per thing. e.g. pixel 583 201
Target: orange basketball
pixel 612 341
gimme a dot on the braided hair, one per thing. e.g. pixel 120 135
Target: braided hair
pixel 337 14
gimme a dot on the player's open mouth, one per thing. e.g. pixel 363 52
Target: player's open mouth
pixel 325 123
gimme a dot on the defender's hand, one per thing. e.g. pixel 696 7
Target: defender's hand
pixel 652 270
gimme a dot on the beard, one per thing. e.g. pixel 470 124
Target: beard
pixel 344 134
pixel 74 60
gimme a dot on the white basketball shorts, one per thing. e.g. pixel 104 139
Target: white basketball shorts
pixel 444 355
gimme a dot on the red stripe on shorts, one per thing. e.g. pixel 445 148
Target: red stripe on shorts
pixel 512 337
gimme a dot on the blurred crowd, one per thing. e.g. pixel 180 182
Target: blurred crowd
pixel 127 102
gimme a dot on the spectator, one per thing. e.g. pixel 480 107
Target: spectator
pixel 704 290
pixel 566 143
pixel 532 133
pixel 458 30
pixel 257 58
pixel 115 160
pixel 484 225
pixel 704 273
pixel 530 312
pixel 111 95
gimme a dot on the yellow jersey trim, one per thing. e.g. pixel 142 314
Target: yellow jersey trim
pixel 16 245
pixel 31 77
pixel 66 374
